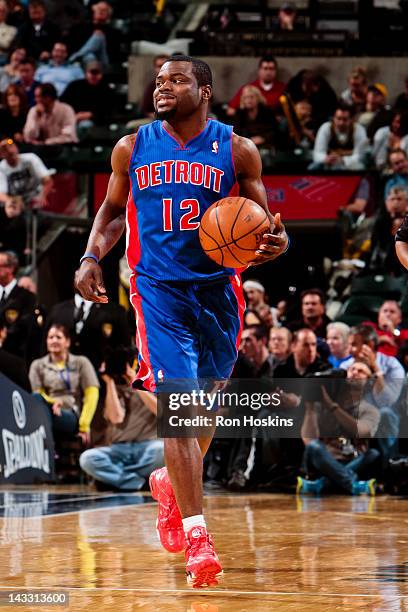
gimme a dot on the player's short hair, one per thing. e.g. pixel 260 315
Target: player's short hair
pixel 28 60
pixel 267 59
pixel 313 291
pixel 48 90
pixel 397 150
pixel 341 328
pixel 296 334
pixel 62 328
pixel 12 259
pixel 201 70
pixel 259 331
pixel 366 333
pixel 344 107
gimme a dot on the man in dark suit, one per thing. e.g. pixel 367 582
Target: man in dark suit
pixel 93 327
pixel 10 365
pixel 16 305
pixel 38 34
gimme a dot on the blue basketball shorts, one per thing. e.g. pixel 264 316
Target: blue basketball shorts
pixel 188 331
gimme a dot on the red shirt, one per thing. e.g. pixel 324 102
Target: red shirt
pixel 271 96
pixel 386 348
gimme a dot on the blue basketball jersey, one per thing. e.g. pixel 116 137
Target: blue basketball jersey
pixel 172 185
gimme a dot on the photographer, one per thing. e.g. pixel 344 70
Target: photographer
pixel 339 458
pixel 133 451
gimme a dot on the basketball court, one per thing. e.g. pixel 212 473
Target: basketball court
pixel 279 552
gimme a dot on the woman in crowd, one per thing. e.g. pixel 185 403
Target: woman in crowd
pixel 13 115
pixel 68 385
pixel 9 73
pixel 390 137
pixel 254 119
pixel 7 32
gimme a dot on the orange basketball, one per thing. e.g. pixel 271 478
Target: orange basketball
pixel 231 230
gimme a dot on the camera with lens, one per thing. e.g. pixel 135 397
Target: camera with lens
pixel 116 361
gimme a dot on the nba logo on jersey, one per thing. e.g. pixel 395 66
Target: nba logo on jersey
pixel 215 146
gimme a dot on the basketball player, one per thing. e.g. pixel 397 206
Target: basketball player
pixel 188 308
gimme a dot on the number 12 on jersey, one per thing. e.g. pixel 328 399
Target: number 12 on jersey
pixel 186 220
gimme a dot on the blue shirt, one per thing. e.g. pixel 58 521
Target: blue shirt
pixel 59 76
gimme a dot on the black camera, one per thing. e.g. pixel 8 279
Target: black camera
pixel 332 380
pixel 117 359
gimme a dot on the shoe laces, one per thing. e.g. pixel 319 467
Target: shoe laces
pixel 204 543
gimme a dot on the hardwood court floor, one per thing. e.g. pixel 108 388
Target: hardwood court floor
pixel 279 553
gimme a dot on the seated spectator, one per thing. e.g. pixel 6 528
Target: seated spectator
pixel 338 460
pixel 133 450
pixel 286 19
pixel 16 305
pixel 254 120
pixel 338 340
pixel 303 359
pixel 390 336
pixel 50 121
pixel 7 32
pixel 359 199
pixel 253 346
pixel 67 384
pixel 96 39
pixel 398 163
pixel 267 315
pixel 297 128
pixel 271 89
pixel 312 87
pixel 13 227
pixel 255 299
pixel 385 394
pixel 17 13
pixel 38 34
pixel 94 328
pixel 146 105
pixel 58 71
pixel 401 103
pixel 390 137
pixel 91 98
pixel 10 72
pixel 23 175
pixel 356 93
pixel 280 340
pixel 13 115
pixel 387 222
pixel 26 80
pixel 340 143
pixel 377 113
pixel 313 312
pixel 10 365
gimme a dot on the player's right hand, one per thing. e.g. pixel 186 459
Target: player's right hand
pixel 89 282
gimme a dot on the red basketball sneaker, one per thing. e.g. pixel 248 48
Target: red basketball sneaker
pixel 169 525
pixel 203 566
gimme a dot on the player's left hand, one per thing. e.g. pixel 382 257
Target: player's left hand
pixel 273 244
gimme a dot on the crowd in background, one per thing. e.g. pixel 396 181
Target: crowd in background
pixel 54 94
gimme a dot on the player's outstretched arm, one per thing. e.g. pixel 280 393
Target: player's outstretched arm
pixel 248 166
pixel 108 225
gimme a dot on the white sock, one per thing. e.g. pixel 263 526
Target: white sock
pixel 193 521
